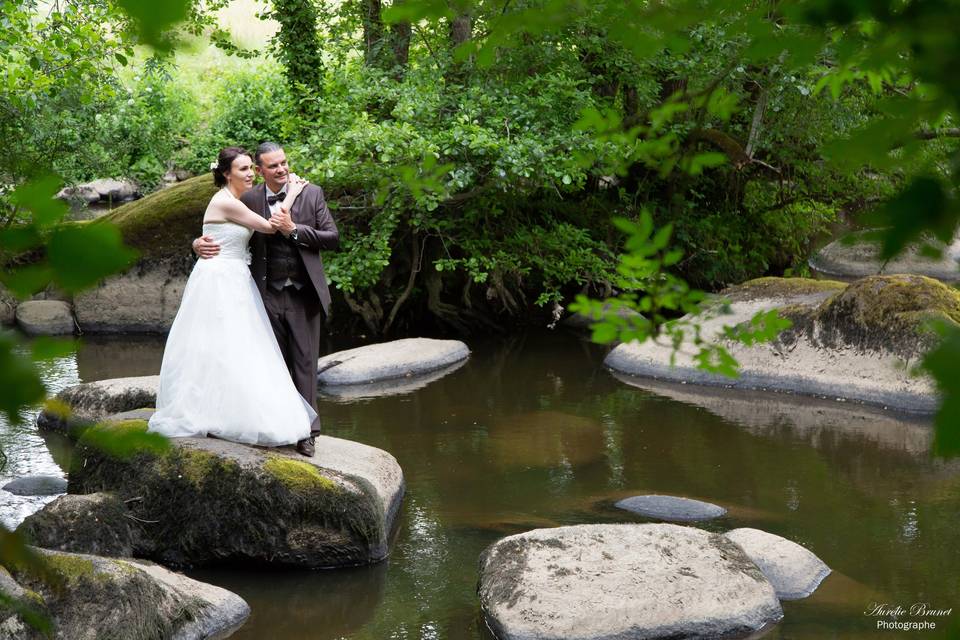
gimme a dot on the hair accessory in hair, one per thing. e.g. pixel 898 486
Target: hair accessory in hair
pixel 214 165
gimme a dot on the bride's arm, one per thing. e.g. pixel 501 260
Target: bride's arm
pixel 235 211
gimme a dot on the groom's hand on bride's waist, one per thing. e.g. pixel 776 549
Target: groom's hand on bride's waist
pixel 205 247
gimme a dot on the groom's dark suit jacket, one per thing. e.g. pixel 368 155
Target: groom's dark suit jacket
pixel 315 231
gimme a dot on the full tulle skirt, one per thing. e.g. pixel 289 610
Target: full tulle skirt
pixel 222 372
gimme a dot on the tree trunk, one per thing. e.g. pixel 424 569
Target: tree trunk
pixel 373 34
pixel 299 44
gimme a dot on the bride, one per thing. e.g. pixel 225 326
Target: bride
pixel 222 372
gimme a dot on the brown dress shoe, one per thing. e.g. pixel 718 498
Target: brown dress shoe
pixel 306 447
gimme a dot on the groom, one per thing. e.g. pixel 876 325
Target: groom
pixel 288 270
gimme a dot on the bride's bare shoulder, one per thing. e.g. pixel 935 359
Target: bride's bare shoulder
pixel 216 209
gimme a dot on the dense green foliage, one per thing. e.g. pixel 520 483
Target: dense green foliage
pixel 478 186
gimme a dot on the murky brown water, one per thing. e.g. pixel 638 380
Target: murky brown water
pixel 533 432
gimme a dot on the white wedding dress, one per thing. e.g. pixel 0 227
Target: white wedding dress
pixel 222 372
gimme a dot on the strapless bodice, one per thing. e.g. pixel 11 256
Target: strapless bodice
pixel 232 238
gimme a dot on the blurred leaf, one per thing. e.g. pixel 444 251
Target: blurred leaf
pixel 37 196
pixel 941 363
pixel 44 348
pixel 19 379
pixel 26 281
pixel 416 11
pixel 80 256
pixel 125 439
pixel 28 613
pixel 922 206
pixel 153 19
pixel 19 238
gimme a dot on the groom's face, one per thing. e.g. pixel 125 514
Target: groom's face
pixel 273 167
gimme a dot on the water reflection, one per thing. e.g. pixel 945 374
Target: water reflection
pixel 304 604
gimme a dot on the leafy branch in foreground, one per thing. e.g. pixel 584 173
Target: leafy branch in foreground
pixel 652 298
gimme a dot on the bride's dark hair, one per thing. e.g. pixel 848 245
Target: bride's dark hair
pixel 224 162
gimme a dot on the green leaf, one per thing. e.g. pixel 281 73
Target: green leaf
pixel 941 363
pixel 19 379
pixel 19 238
pixel 51 348
pixel 153 20
pixel 125 439
pixel 26 281
pixel 37 196
pixel 80 256
pixel 922 206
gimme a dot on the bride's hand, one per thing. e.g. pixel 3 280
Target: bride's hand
pixel 295 184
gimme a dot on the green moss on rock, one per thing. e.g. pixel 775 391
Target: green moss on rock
pixel 298 476
pixel 72 569
pixel 880 313
pixel 164 223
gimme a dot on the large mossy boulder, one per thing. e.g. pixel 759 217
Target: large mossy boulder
pixel 856 342
pixel 592 582
pixel 206 501
pixel 146 297
pixel 88 597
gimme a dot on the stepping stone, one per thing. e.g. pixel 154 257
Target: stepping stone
pixel 794 571
pixel 397 359
pixel 45 318
pixel 36 486
pixel 671 508
pixel 592 582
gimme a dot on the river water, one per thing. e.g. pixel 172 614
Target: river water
pixel 533 432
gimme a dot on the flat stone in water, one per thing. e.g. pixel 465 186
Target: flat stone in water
pixel 36 486
pixel 392 360
pixel 795 572
pixel 671 508
pixel 592 582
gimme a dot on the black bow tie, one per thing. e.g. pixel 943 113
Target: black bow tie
pixel 272 200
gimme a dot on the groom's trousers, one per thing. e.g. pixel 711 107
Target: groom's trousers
pixel 297 319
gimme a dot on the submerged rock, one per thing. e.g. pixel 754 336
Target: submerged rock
pixel 89 402
pixel 794 571
pixel 36 486
pixel 858 257
pixel 45 318
pixel 622 581
pixel 386 361
pixel 671 508
pixel 206 501
pixel 110 598
pixel 852 342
